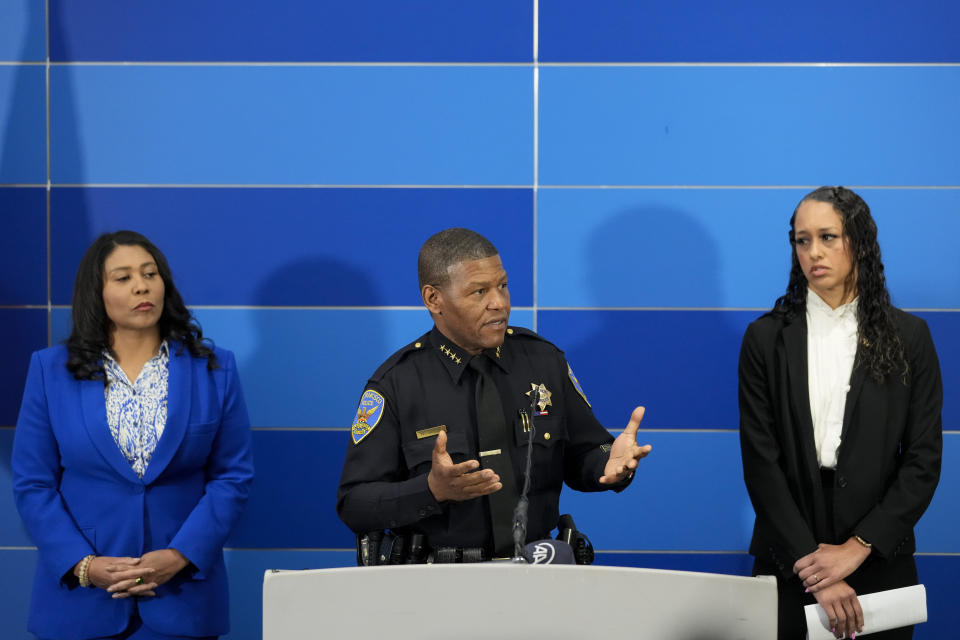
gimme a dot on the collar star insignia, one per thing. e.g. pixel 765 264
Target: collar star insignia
pixel 450 354
pixel 498 352
pixel 544 395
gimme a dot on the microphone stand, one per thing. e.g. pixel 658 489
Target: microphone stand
pixel 520 515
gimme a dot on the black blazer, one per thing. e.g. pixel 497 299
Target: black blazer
pixel 888 465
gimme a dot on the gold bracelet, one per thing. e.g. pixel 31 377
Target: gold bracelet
pixel 84 568
pixel 863 542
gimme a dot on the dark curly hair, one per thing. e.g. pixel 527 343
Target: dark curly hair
pixel 90 335
pixel 880 349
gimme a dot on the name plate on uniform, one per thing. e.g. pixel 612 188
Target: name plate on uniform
pixel 432 431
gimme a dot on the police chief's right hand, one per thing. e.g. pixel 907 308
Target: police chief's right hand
pixel 448 481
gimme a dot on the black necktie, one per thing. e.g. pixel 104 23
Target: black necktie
pixel 495 454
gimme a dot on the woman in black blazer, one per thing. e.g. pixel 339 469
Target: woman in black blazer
pixel 840 428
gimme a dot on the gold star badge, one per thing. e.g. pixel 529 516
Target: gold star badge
pixel 544 395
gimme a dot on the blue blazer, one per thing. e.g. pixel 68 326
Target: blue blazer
pixel 78 495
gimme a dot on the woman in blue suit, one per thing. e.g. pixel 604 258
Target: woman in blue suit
pixel 131 459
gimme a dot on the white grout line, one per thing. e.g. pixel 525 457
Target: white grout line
pixel 655 187
pixel 49 180
pixel 654 308
pixel 121 185
pixel 732 65
pixel 740 65
pixel 536 185
pixel 213 64
pixel 535 309
pixel 536 150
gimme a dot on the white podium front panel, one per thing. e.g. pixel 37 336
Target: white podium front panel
pixel 513 601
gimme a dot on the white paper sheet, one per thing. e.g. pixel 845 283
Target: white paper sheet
pixel 881 611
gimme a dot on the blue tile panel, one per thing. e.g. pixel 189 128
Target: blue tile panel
pixel 725 248
pixel 749 125
pixel 12 531
pixel 945 328
pixel 18 568
pixel 23 246
pixel 688 485
pixel 247 567
pixel 939 574
pixel 24 331
pixel 937 531
pixel 292 125
pixel 306 367
pixel 331 247
pixel 23 129
pixel 691 483
pixel 293 31
pixel 294 496
pixel 748 31
pixel 683 364
pixel 22 31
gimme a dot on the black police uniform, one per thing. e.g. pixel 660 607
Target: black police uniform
pixel 428 385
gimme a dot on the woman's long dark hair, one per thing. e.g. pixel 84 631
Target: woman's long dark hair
pixel 880 349
pixel 90 335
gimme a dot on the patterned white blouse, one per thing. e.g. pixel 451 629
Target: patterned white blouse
pixel 137 413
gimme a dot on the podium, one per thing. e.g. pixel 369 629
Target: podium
pixel 512 601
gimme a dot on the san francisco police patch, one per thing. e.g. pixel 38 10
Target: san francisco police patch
pixel 576 385
pixel 368 415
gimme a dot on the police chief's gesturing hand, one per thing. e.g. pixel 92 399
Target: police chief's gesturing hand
pixel 625 454
pixel 464 481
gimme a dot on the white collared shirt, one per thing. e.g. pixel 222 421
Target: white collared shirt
pixel 831 350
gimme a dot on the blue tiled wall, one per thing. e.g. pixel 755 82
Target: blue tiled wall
pixel 635 163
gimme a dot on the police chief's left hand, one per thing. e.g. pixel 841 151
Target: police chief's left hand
pixel 625 454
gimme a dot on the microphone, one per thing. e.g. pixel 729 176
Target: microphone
pixel 520 516
pixel 548 552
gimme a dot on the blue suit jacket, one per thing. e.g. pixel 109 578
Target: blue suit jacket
pixel 78 495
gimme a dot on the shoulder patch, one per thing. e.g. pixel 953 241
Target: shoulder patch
pixel 576 385
pixel 368 415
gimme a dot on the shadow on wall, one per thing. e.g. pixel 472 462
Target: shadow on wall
pixel 70 216
pixel 22 116
pixel 680 363
pixel 306 368
pixel 24 330
pixel 29 330
pixel 18 145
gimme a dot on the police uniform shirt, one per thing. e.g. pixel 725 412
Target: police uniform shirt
pixel 427 386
